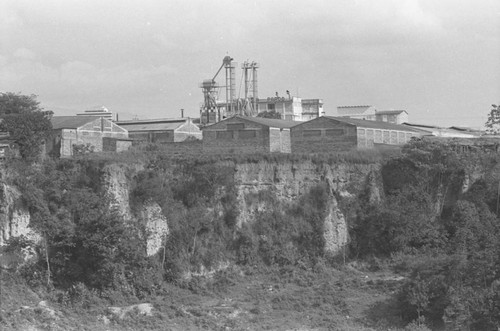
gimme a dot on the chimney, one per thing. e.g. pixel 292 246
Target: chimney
pixel 182 112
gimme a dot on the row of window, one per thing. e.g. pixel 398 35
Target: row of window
pixel 242 134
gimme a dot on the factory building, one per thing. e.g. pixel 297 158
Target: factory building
pixel 330 134
pixel 244 134
pixel 95 132
pixel 392 116
pixel 292 108
pixel 359 112
pixel 161 130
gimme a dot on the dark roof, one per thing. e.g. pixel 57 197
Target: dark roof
pixel 467 129
pixel 373 124
pixel 70 122
pixel 159 124
pixel 148 126
pixel 150 121
pixel 390 112
pixel 422 125
pixel 270 122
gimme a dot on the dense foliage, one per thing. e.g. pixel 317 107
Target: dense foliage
pixel 493 122
pixel 445 238
pixel 436 224
pixel 27 123
pixel 269 114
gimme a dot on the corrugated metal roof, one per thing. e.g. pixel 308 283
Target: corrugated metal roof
pixel 373 124
pixel 270 122
pixel 156 120
pixel 390 112
pixel 353 110
pixel 70 122
pixel 168 126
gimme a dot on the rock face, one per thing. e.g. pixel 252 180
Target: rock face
pixel 287 181
pixel 117 185
pixel 156 227
pixel 335 226
pixel 14 222
pixel 14 217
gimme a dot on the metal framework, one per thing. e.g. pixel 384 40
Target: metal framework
pixel 233 105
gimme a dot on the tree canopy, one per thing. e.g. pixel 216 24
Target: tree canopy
pixel 16 103
pixel 270 114
pixel 26 122
pixel 493 122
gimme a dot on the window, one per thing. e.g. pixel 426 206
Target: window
pixel 271 106
pixel 334 132
pixel 312 133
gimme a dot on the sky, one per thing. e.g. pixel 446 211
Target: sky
pixel 438 60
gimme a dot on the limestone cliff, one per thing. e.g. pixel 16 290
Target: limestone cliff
pixel 14 217
pixel 287 181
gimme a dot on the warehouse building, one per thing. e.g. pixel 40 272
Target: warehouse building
pixel 242 134
pixel 161 130
pixel 327 134
pixel 69 132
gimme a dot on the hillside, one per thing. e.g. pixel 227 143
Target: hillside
pixel 291 242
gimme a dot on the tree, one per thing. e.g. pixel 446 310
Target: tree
pixel 26 122
pixel 493 122
pixel 15 103
pixel 270 114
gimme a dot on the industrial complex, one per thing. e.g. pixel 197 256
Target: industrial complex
pixel 231 122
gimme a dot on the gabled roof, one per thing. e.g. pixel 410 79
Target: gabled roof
pixel 373 124
pixel 162 124
pixel 70 122
pixel 270 122
pixel 353 110
pixel 390 112
pixel 151 121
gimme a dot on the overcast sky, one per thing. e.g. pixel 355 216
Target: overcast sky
pixel 438 59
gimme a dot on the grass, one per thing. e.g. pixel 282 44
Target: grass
pixel 254 298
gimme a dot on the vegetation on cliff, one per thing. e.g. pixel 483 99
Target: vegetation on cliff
pixel 430 225
pixel 445 237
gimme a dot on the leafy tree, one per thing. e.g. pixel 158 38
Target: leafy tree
pixel 493 122
pixel 15 103
pixel 25 121
pixel 269 114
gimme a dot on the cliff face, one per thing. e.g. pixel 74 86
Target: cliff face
pixel 14 217
pixel 14 223
pixel 289 180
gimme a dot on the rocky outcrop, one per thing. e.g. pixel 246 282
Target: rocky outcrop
pixel 335 229
pixel 14 217
pixel 287 181
pixel 145 309
pixel 156 227
pixel 117 187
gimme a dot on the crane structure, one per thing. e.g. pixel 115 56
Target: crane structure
pixel 214 109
